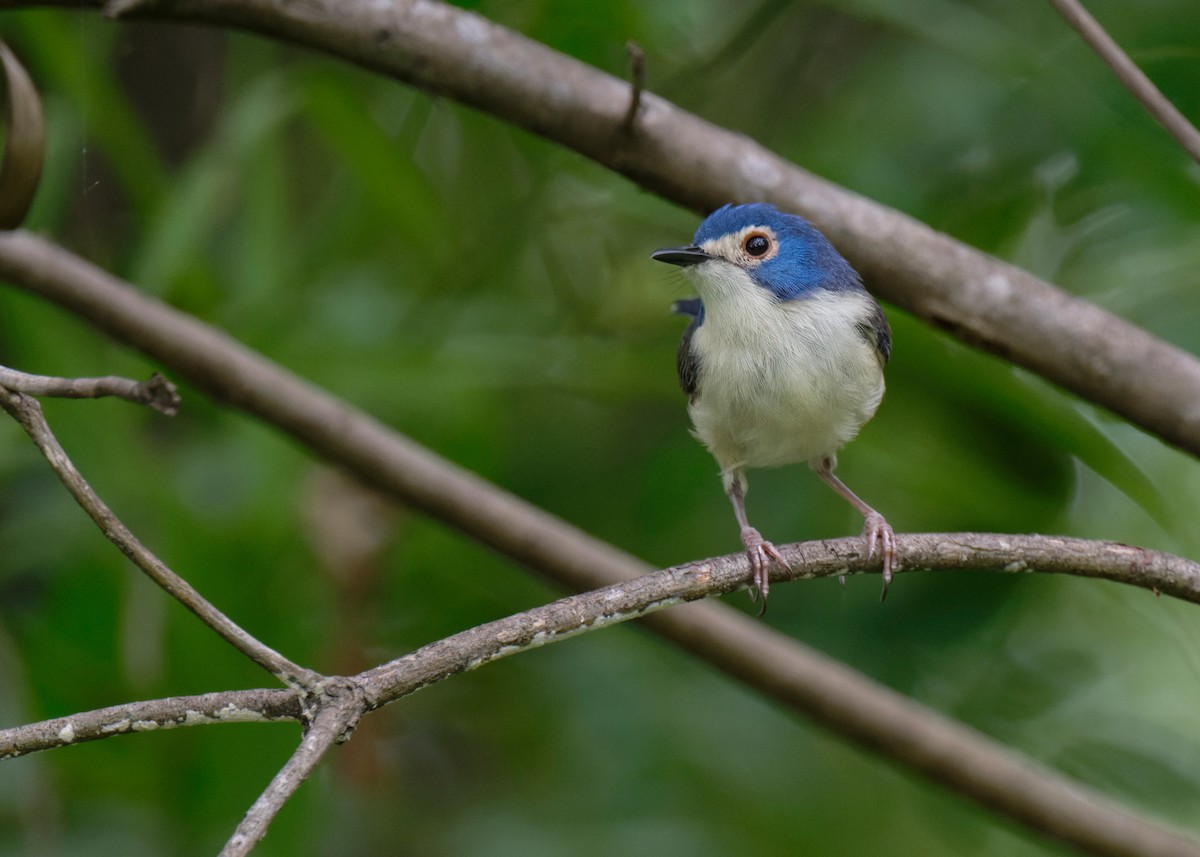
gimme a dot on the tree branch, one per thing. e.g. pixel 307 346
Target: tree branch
pixel 981 300
pixel 803 679
pixel 1158 572
pixel 334 718
pixel 28 413
pixel 231 706
pixel 1130 76
pixel 155 392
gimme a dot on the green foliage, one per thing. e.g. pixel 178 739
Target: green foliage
pixel 491 295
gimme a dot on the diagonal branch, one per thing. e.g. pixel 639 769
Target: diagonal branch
pixel 844 701
pixel 336 714
pixel 981 300
pixel 28 413
pixel 1130 76
pixel 1158 572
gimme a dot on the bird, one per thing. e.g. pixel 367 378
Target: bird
pixel 782 361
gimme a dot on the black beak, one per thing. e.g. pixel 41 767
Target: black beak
pixel 681 256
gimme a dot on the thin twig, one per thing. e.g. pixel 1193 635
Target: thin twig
pixel 28 413
pixel 1130 76
pixel 231 706
pixel 637 83
pixel 155 392
pixel 332 722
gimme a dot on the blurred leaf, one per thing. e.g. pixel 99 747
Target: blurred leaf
pixel 208 188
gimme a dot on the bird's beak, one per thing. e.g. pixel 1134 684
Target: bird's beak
pixel 681 256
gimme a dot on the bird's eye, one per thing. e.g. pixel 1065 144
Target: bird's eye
pixel 756 244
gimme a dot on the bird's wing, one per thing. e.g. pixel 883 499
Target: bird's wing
pixel 691 307
pixel 686 361
pixel 878 334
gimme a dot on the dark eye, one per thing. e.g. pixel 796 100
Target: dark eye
pixel 757 245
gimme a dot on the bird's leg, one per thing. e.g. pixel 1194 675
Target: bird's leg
pixel 877 532
pixel 759 551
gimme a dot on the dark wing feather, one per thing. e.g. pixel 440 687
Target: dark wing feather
pixel 691 307
pixel 874 328
pixel 686 361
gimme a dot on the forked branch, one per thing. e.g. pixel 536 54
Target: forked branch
pixel 801 678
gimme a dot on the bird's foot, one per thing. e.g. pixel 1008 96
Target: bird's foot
pixel 760 552
pixel 879 536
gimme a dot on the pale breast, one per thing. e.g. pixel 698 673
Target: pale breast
pixel 782 383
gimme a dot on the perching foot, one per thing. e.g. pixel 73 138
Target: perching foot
pixel 879 536
pixel 761 552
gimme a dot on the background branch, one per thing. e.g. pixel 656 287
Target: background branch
pixel 1130 76
pixel 981 300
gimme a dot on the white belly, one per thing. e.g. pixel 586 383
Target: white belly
pixel 782 383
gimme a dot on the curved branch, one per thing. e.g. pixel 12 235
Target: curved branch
pixel 1160 573
pixel 28 414
pixel 981 300
pixel 1130 76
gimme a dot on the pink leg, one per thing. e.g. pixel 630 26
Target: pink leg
pixel 877 532
pixel 758 550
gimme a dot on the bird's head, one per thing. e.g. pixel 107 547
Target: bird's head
pixel 777 251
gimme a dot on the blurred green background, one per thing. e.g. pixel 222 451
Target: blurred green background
pixel 491 295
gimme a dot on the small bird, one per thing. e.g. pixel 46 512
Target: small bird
pixel 783 360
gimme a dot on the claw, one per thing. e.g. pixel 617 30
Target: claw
pixel 760 552
pixel 879 535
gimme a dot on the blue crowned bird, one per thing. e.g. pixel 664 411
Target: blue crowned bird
pixel 783 360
